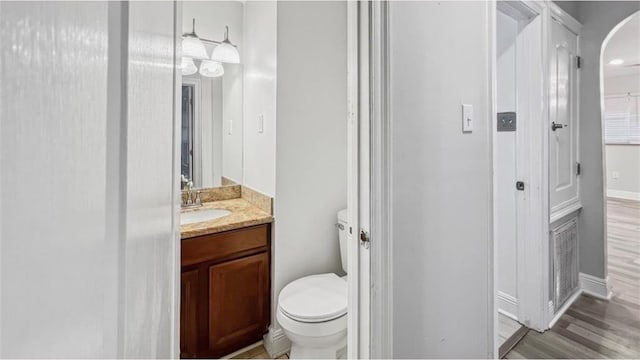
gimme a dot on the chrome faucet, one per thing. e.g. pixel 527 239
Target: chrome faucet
pixel 188 199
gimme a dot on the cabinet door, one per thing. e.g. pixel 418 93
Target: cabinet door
pixel 189 314
pixel 563 142
pixel 239 303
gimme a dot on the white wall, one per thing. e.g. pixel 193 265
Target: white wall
pixel 616 85
pixel 441 179
pixel 312 139
pixel 87 236
pixel 232 124
pixel 211 18
pixel 506 235
pixel 217 135
pixel 259 162
pixel 623 159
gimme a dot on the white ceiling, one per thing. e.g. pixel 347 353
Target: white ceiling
pixel 625 45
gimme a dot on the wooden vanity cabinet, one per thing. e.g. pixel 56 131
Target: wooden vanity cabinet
pixel 225 291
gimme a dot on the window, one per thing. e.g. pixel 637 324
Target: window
pixel 622 119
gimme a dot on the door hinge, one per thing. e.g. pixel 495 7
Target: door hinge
pixel 578 62
pixel 364 239
pixel 578 169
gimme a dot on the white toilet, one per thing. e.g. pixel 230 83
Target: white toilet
pixel 313 310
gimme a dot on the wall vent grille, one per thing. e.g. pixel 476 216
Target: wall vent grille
pixel 565 262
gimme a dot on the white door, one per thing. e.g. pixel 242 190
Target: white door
pixel 563 117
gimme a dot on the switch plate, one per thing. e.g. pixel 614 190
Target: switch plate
pixel 615 175
pixel 467 118
pixel 507 121
pixel 230 127
pixel 260 124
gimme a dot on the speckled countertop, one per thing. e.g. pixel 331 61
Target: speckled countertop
pixel 243 214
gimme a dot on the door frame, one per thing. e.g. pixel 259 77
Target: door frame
pixel 532 146
pixel 380 173
pixel 533 258
pixel 358 205
pixel 603 145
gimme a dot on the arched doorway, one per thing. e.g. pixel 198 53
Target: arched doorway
pixel 620 104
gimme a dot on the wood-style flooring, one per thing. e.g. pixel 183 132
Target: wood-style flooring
pixel 594 328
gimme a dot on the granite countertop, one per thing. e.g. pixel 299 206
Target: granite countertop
pixel 243 214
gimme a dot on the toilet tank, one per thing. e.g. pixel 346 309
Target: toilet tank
pixel 343 227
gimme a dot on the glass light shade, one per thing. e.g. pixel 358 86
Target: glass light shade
pixel 226 53
pixel 194 48
pixel 210 68
pixel 188 66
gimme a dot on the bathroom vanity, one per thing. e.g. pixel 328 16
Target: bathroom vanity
pixel 225 279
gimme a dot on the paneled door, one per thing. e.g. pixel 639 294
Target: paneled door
pixel 238 302
pixel 563 117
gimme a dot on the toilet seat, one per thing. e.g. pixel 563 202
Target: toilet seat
pixel 314 299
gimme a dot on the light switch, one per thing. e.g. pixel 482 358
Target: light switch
pixel 260 123
pixel 467 118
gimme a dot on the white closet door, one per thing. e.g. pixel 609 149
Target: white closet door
pixel 563 142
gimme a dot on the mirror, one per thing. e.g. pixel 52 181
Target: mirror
pixel 211 140
pixel 212 96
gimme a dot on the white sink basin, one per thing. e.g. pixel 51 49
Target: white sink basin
pixel 197 216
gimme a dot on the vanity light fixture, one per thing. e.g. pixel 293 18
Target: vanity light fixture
pixel 210 68
pixel 616 62
pixel 192 46
pixel 226 51
pixel 188 66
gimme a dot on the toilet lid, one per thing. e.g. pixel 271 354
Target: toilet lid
pixel 314 298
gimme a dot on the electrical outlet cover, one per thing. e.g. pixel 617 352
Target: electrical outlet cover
pixel 507 121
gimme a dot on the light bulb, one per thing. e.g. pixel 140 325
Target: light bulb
pixel 210 68
pixel 188 66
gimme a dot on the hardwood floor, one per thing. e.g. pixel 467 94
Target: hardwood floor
pixel 593 328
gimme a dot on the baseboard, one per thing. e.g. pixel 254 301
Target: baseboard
pixel 564 307
pixel 507 305
pixel 276 342
pixel 626 195
pixel 595 286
